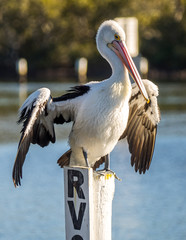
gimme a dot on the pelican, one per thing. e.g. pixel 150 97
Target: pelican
pixel 102 112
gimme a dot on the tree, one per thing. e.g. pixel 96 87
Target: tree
pixel 51 33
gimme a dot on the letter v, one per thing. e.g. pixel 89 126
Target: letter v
pixel 77 222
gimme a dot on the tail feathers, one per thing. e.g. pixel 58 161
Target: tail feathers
pixel 99 162
pixel 64 160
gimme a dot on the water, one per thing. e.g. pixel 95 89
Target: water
pixel 150 206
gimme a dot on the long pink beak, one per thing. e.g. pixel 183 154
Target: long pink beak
pixel 121 50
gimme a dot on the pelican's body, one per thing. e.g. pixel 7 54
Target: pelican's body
pixel 99 111
pixel 106 117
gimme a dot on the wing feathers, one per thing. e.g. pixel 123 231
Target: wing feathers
pixel 74 92
pixel 142 126
pixel 38 115
pixel 64 160
pixel 33 131
pixel 132 135
pixel 21 153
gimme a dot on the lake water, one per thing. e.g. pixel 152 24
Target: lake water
pixel 150 206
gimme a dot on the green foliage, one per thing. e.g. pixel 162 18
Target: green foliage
pixel 167 48
pixel 50 33
pixel 163 39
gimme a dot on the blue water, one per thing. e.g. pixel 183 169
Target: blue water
pixel 150 206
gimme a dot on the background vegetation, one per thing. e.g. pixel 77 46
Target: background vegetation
pixel 53 33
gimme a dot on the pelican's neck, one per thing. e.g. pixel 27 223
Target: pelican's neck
pixel 119 72
pixel 119 81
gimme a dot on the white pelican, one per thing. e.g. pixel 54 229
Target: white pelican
pixel 102 112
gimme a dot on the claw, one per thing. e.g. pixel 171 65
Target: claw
pixel 104 171
pixel 116 177
pixel 100 172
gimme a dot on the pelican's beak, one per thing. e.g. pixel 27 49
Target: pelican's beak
pixel 120 48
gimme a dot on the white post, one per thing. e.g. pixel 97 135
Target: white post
pixel 22 70
pixel 81 66
pixel 88 204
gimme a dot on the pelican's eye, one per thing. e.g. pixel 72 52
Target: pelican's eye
pixel 117 37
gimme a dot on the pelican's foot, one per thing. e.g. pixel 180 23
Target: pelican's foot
pixel 102 173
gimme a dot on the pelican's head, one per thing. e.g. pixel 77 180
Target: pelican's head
pixel 109 31
pixel 111 39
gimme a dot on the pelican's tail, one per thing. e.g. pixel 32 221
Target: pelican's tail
pixel 99 162
pixel 64 160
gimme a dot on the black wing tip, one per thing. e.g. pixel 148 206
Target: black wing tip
pixel 141 170
pixel 16 176
pixel 16 183
pixel 18 164
pixel 16 179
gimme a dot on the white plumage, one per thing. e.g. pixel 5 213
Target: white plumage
pixel 99 110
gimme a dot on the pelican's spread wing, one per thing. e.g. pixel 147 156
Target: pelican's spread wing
pixel 38 114
pixel 142 126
